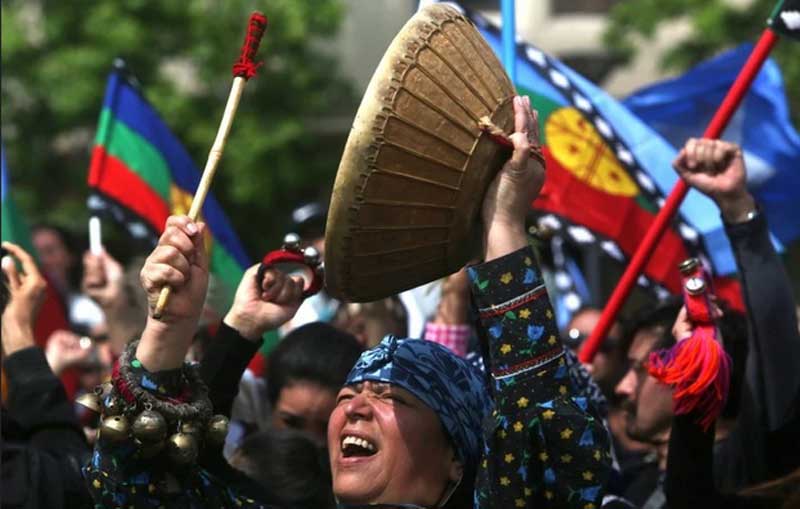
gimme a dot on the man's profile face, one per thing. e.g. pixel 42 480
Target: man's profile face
pixel 647 402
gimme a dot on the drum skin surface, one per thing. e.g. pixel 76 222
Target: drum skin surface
pixel 408 192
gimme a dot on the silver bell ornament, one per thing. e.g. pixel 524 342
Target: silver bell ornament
pixel 311 255
pixel 149 427
pixel 114 428
pixel 217 429
pixel 291 242
pixel 91 401
pixel 149 450
pixel 182 448
pixel 191 428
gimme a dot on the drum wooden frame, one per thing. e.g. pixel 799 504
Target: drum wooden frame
pixel 408 192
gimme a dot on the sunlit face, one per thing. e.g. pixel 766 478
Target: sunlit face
pixel 305 406
pixel 647 402
pixel 387 446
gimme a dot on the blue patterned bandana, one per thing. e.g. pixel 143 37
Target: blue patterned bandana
pixel 446 383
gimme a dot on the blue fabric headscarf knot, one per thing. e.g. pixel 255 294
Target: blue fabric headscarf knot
pixel 445 382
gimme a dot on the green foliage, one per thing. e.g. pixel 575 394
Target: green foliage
pixel 716 25
pixel 56 57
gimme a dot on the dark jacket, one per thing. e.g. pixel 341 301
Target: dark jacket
pixel 43 445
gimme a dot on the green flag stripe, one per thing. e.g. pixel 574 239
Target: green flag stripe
pixel 14 227
pixel 136 152
pixel 225 269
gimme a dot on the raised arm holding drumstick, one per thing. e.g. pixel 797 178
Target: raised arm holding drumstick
pixel 244 69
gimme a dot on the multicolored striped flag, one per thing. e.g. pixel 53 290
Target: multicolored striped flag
pixel 608 172
pixel 140 173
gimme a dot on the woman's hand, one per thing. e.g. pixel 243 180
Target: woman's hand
pixel 256 310
pixel 180 262
pixel 515 187
pixel 66 349
pixel 26 294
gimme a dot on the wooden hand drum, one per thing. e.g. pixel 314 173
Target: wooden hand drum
pixel 406 203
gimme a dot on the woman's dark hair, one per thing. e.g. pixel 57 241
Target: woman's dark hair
pixel 290 468
pixel 72 244
pixel 316 352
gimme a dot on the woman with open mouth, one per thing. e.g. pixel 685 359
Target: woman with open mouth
pixel 415 426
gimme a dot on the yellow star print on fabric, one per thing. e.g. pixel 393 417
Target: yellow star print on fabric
pixel 589 506
pixel 528 492
pixel 566 458
pixel 562 389
pixel 548 494
pixel 597 454
pixel 505 348
pixel 543 456
pixel 528 260
pixel 506 278
pixel 505 481
pixel 566 433
pixel 551 340
pixel 96 484
pixel 519 502
pixel 525 314
pixel 518 426
pixel 522 402
pixel 509 458
pixel 588 476
pixel 548 414
pixel 549 314
pixel 502 433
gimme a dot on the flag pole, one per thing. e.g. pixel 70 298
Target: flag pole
pixel 509 26
pixel 718 123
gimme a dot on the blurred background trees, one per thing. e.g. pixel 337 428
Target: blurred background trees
pixel 56 57
pixel 715 25
pixel 294 118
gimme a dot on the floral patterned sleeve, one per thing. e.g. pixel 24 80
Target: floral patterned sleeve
pixel 116 477
pixel 545 445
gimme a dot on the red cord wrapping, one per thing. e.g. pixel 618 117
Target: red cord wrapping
pixel 246 66
pixel 698 368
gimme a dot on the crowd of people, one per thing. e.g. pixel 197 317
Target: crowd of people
pixel 490 408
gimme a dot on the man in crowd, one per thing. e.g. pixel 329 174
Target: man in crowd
pixel 760 441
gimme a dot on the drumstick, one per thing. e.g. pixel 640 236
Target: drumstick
pixel 244 69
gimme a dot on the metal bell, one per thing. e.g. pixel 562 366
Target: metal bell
pixel 311 255
pixel 114 428
pixel 688 266
pixel 91 401
pixel 113 405
pixel 149 427
pixel 695 285
pixel 148 450
pixel 191 428
pixel 217 429
pixel 182 448
pixel 291 242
